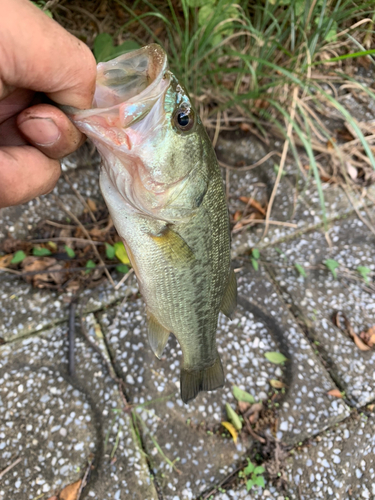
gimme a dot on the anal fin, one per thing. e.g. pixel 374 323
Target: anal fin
pixel 208 379
pixel 157 335
pixel 229 302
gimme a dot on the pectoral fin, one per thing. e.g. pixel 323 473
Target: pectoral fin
pixel 229 302
pixel 173 246
pixel 157 335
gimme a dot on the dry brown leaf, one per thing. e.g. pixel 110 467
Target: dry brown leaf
pixel 236 217
pixel 330 144
pixel 357 340
pixel 359 343
pixel 5 260
pixel 91 204
pixel 73 286
pixel 253 203
pixel 335 392
pixel 70 492
pixel 369 336
pixel 370 407
pixel 352 171
pixel 243 406
pixel 245 127
pixel 52 498
pixel 254 412
pixel 33 264
pixel 277 384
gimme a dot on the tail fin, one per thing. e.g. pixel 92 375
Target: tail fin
pixel 209 379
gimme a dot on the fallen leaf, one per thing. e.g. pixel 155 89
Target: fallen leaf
pixel 5 260
pixel 275 357
pixel 241 395
pixel 70 492
pixel 358 342
pixel 33 264
pixel 371 407
pixel 253 203
pixel 237 216
pixel 352 171
pixel 369 336
pixel 335 392
pixel 52 498
pixel 229 427
pixel 277 384
pixel 243 406
pixel 233 417
pixel 330 144
pixel 91 204
pixel 121 252
pixel 245 127
pixel 254 412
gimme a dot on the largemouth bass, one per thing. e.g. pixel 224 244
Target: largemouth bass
pixel 162 184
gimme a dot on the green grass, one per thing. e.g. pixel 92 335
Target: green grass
pixel 247 58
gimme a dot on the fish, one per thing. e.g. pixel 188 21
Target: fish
pixel 161 181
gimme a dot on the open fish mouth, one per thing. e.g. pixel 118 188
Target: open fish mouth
pixel 127 87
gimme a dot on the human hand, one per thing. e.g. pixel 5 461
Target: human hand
pixel 37 57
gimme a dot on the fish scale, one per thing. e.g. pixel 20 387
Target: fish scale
pixel 165 194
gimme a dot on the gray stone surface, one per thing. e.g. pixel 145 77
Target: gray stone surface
pixel 24 309
pixel 307 409
pixel 318 296
pixel 181 430
pixel 337 465
pixel 56 424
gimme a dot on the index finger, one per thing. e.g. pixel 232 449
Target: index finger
pixel 38 54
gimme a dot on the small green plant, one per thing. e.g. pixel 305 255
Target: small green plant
pixel 300 270
pixel 364 272
pixel 41 251
pixel 18 257
pixel 110 251
pixel 90 265
pixel 332 265
pixel 69 251
pixel 253 475
pixel 255 254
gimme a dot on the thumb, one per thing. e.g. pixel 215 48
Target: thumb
pixel 50 130
pixel 25 173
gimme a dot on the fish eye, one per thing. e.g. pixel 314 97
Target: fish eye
pixel 183 119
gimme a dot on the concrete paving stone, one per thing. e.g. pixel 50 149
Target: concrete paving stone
pixel 24 309
pixel 181 430
pixel 270 493
pixel 56 424
pixel 319 295
pixel 306 409
pixel 337 465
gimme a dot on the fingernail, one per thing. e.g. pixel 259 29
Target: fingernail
pixel 41 131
